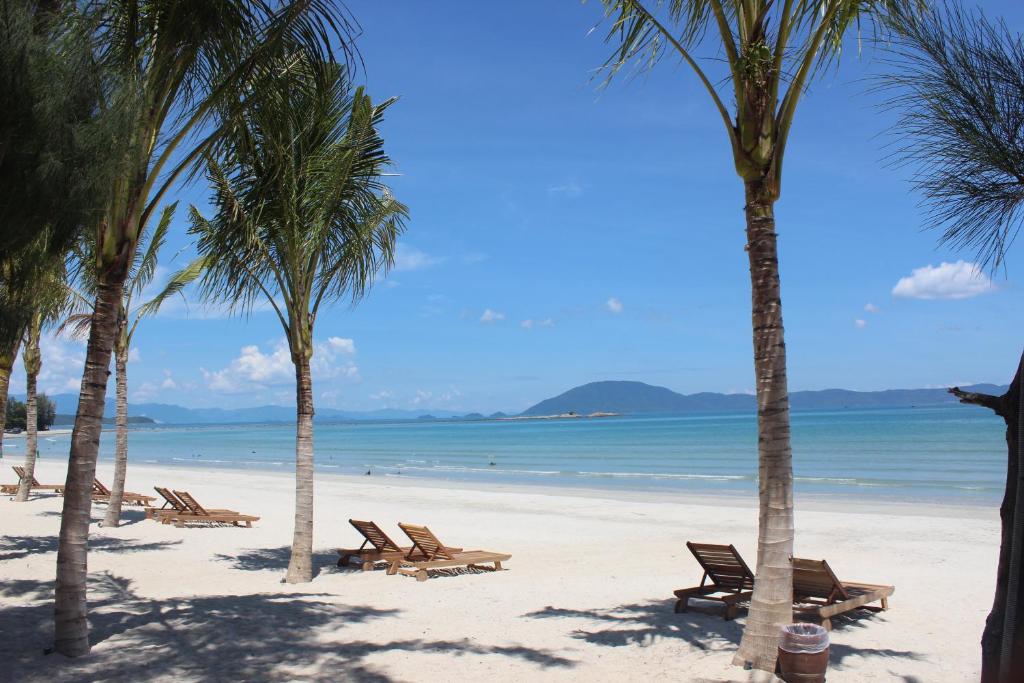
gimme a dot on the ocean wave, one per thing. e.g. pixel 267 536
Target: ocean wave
pixel 662 475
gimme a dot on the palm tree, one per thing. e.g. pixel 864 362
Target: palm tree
pixel 772 50
pixel 958 83
pixel 302 218
pixel 130 314
pixel 50 297
pixel 168 65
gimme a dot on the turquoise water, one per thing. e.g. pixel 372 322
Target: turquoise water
pixel 955 453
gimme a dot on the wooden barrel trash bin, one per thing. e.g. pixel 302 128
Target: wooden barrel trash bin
pixel 803 653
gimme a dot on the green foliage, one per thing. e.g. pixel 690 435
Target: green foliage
pixel 302 213
pixel 957 80
pixel 46 413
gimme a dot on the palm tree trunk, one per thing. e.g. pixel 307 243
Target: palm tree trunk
pixel 32 367
pixel 113 515
pixel 771 605
pixel 71 629
pixel 300 566
pixel 7 357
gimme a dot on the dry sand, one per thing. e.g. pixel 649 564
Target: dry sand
pixel 587 595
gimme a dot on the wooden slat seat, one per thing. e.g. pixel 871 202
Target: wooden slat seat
pixel 101 494
pixel 731 580
pixel 429 553
pixel 172 506
pixel 197 514
pixel 817 591
pixel 34 485
pixel 377 547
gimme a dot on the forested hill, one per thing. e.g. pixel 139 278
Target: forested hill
pixel 638 397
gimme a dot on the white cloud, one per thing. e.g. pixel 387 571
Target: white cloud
pixel 253 369
pixel 570 189
pixel 381 395
pixel 960 280
pixel 614 305
pixel 342 345
pixel 410 258
pixel 530 323
pixel 860 324
pixel 491 316
pixel 133 355
pixel 63 363
pixel 871 308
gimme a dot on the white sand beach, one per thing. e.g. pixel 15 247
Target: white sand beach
pixel 587 595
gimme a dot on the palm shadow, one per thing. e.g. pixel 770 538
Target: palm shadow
pixel 17 547
pixel 259 559
pixel 703 629
pixel 220 637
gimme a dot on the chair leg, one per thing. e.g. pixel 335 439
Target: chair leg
pixel 421 575
pixel 731 610
pixel 497 566
pixel 368 565
pixel 392 568
pixel 343 560
pixel 682 604
pixel 885 603
pixel 826 624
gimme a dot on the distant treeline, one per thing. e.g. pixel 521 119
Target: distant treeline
pixel 46 412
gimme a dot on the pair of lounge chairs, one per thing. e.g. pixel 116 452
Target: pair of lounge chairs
pixel 181 509
pixel 426 552
pixel 100 493
pixel 34 485
pixel 816 589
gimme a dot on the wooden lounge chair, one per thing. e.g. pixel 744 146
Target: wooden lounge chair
pixel 35 485
pixel 817 591
pixel 429 553
pixel 197 514
pixel 173 506
pixel 382 548
pixel 101 494
pixel 731 579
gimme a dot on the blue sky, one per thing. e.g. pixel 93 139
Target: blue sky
pixel 561 233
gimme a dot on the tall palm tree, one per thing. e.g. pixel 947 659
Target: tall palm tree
pixel 302 218
pixel 130 314
pixel 957 80
pixel 51 297
pixel 167 66
pixel 772 50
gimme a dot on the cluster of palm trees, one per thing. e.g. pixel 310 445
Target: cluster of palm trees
pixel 121 101
pixel 114 103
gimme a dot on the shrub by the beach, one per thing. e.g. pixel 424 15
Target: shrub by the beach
pixel 46 413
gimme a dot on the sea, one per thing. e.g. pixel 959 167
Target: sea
pixel 949 454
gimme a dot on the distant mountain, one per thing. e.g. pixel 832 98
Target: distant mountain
pixel 638 397
pixel 174 414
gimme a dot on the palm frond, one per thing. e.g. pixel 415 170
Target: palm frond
pixel 175 285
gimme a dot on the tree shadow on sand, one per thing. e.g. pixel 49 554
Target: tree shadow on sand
pixel 701 628
pixel 289 636
pixel 259 559
pixel 17 547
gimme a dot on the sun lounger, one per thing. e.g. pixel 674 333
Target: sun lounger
pixel 173 506
pixel 20 472
pixel 101 494
pixel 731 580
pixel 381 547
pixel 817 591
pixel 197 514
pixel 429 553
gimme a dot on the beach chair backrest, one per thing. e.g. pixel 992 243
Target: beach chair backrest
pixel 425 543
pixel 99 488
pixel 723 565
pixel 374 535
pixel 172 500
pixel 815 579
pixel 191 503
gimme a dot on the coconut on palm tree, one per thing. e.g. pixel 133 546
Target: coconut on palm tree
pixel 130 313
pixel 770 51
pixel 303 218
pixel 167 67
